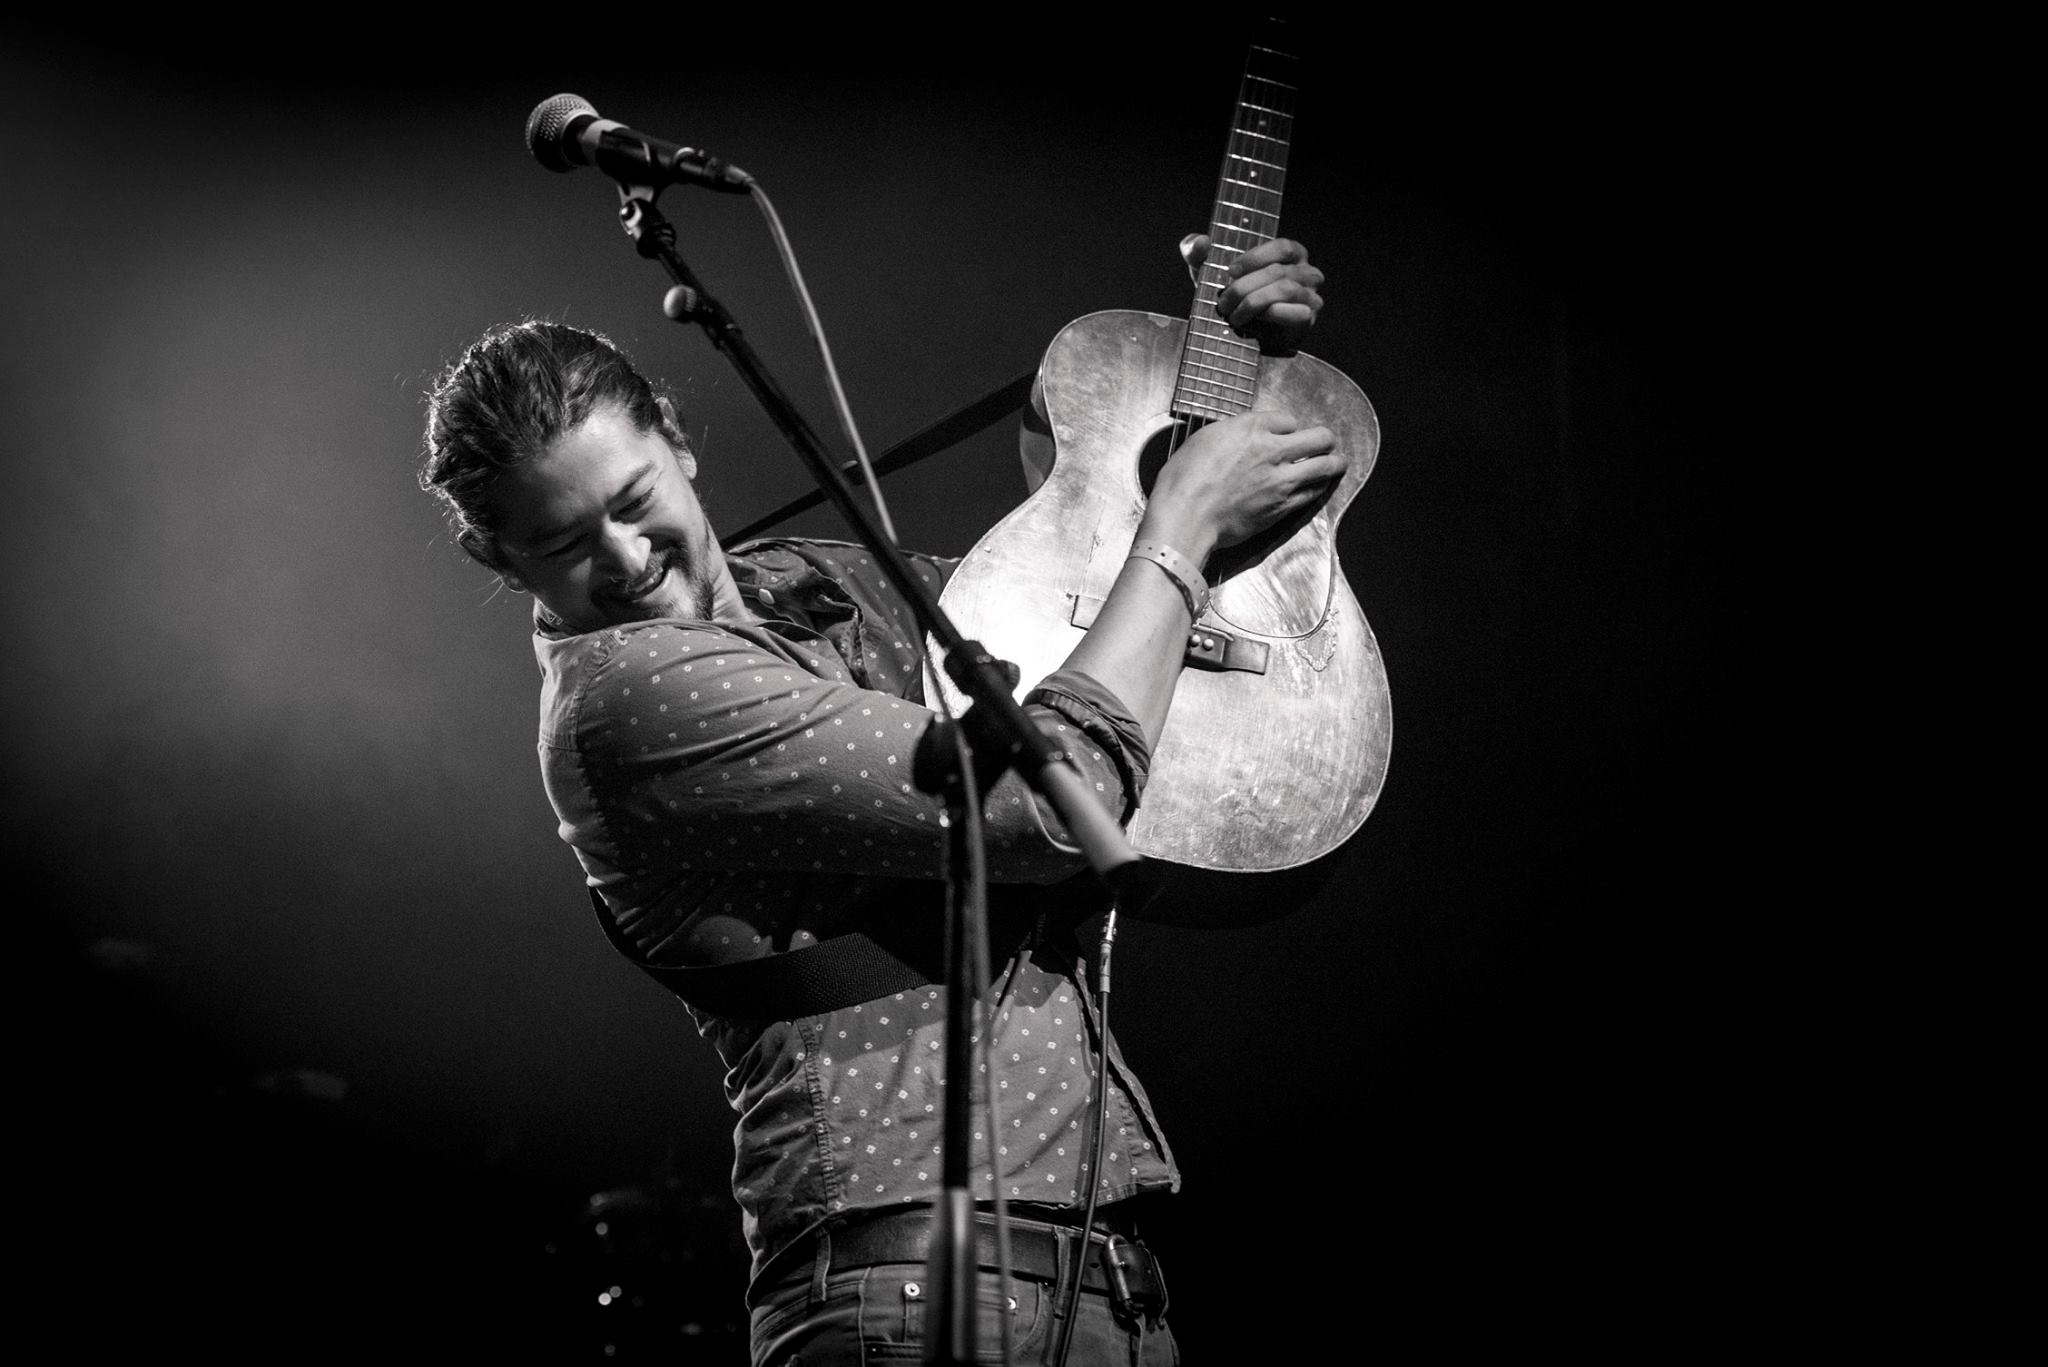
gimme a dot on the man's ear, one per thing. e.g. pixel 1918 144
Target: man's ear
pixel 672 432
pixel 482 550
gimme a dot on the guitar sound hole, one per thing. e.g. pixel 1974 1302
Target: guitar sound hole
pixel 1152 459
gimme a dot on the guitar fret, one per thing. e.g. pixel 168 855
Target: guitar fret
pixel 1217 232
pixel 1221 363
pixel 1193 409
pixel 1225 376
pixel 1240 395
pixel 1223 405
pixel 1225 390
pixel 1274 156
pixel 1216 396
pixel 1222 341
pixel 1219 386
pixel 1210 409
pixel 1224 364
pixel 1228 349
pixel 1197 387
pixel 1228 375
pixel 1264 182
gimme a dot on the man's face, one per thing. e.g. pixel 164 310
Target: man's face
pixel 605 528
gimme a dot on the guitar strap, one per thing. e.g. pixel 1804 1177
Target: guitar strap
pixel 991 407
pixel 843 971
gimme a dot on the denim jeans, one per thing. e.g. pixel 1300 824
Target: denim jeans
pixel 857 1316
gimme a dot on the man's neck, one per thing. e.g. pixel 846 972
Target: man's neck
pixel 728 607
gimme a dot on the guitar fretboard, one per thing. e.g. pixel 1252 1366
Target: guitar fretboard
pixel 1219 370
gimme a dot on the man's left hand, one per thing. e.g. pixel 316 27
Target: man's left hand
pixel 1273 294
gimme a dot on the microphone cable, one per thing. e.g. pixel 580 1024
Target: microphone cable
pixel 841 409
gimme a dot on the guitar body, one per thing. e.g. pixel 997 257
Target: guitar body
pixel 1256 770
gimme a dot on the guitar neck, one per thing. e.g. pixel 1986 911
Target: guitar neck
pixel 1219 370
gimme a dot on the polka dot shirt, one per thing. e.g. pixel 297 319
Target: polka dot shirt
pixel 738 791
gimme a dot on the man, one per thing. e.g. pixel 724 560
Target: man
pixel 728 742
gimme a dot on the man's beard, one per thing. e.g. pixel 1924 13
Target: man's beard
pixel 682 586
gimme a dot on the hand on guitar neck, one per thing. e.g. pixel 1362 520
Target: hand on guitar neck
pixel 1272 295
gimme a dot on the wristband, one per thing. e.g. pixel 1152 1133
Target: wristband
pixel 1194 590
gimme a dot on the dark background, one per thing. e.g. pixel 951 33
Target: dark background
pixel 318 1045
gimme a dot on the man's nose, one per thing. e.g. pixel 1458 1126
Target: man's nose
pixel 622 553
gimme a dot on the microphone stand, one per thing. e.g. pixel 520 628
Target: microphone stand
pixel 995 726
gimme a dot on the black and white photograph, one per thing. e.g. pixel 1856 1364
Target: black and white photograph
pixel 606 605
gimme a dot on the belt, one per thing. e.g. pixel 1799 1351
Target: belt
pixel 1117 1264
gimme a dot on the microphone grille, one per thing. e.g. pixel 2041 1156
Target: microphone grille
pixel 547 124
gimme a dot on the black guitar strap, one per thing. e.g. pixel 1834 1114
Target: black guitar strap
pixel 843 971
pixel 990 408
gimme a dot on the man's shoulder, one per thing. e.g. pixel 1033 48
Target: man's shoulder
pixel 581 660
pixel 856 570
pixel 824 553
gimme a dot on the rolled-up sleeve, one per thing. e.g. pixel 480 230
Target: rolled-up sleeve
pixel 1102 718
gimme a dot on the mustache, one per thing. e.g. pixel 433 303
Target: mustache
pixel 660 565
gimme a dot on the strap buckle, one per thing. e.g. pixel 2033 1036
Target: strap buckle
pixel 1136 1286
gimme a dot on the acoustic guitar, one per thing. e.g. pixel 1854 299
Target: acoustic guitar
pixel 1278 739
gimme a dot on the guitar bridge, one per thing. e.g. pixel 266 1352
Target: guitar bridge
pixel 1209 647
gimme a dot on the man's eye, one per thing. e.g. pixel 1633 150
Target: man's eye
pixel 639 504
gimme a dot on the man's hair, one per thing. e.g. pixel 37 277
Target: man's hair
pixel 518 388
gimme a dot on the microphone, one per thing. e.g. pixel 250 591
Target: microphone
pixel 565 132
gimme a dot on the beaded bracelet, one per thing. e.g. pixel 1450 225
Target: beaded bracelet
pixel 1194 590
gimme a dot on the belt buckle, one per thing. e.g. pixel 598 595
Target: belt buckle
pixel 1135 1284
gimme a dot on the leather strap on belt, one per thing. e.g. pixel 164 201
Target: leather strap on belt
pixel 907 1238
pixel 1117 1264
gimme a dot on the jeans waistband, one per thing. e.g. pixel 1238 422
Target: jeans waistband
pixel 905 1236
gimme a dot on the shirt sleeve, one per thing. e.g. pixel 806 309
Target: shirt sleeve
pixel 740 749
pixel 1102 718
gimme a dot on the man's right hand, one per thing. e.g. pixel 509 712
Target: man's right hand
pixel 1236 477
